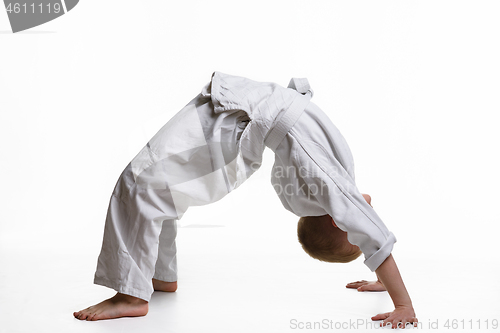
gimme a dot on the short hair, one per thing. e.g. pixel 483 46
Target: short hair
pixel 322 241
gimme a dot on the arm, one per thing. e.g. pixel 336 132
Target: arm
pixel 388 274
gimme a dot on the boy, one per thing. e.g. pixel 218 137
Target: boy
pixel 207 150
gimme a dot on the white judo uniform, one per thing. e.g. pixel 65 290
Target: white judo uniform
pixel 210 148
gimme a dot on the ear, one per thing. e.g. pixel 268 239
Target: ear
pixel 333 222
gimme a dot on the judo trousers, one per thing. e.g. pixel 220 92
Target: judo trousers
pixel 185 164
pixel 196 159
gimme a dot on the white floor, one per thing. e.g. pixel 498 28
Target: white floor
pixel 241 274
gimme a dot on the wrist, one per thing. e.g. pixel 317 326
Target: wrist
pixel 403 305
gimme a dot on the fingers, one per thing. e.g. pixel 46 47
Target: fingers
pixel 365 288
pixel 398 318
pixel 390 321
pixel 362 281
pixel 356 284
pixel 364 285
pixel 381 316
pixel 372 287
pixel 397 322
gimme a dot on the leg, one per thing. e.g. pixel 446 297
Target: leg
pixel 141 200
pixel 129 250
pixel 165 277
pixel 181 166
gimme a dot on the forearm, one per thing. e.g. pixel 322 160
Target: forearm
pixel 390 277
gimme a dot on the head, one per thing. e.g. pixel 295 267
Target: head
pixel 323 240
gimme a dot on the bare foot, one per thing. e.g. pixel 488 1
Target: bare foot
pixel 164 286
pixel 120 305
pixel 364 285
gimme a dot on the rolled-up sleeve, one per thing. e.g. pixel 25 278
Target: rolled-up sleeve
pixel 377 258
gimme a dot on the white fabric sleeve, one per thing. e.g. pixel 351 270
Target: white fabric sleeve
pixel 332 187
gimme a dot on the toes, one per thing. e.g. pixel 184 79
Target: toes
pixel 98 316
pixel 86 315
pixel 95 316
pixel 83 314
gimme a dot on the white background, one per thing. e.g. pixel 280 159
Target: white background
pixel 412 85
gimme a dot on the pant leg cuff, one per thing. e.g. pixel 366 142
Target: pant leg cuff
pixel 142 294
pixel 165 277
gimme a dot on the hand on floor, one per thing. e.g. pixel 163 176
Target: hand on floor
pixel 364 285
pixel 398 318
